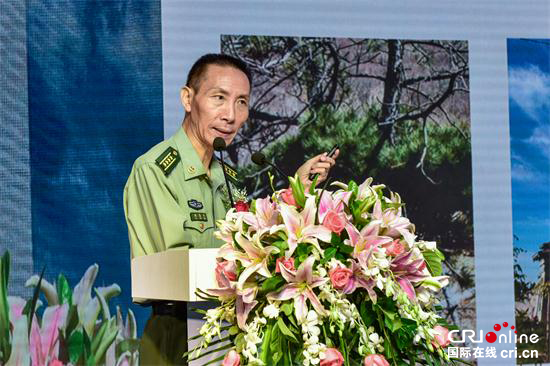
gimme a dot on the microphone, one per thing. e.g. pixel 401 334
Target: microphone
pixel 219 145
pixel 260 159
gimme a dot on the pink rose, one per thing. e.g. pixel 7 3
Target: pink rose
pixel 232 358
pixel 241 206
pixel 441 338
pixel 334 221
pixel 288 197
pixel 333 357
pixel 340 277
pixel 55 362
pixel 288 263
pixel 227 269
pixel 394 248
pixel 376 360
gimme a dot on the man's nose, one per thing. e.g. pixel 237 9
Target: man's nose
pixel 229 113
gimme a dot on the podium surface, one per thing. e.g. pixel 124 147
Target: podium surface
pixel 173 274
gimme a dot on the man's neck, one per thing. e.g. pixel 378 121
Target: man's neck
pixel 205 153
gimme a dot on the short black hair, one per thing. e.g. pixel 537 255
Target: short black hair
pixel 194 78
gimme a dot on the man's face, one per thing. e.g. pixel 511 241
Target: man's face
pixel 220 105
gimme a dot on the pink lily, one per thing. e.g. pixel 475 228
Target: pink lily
pixel 301 228
pixel 335 201
pixel 44 341
pixel 300 288
pixel 366 239
pixel 254 259
pixel 266 217
pixel 394 224
pixel 360 280
pixel 19 336
pixel 408 270
pixel 244 299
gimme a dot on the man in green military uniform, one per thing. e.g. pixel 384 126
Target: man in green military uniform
pixel 175 192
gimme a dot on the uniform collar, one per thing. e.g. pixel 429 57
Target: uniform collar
pixel 192 165
pixel 216 173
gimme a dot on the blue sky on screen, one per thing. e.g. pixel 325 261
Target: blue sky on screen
pixel 529 101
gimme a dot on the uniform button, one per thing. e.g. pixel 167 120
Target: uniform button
pixel 201 226
pixel 191 169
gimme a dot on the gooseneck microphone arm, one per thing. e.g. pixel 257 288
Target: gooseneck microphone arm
pixel 260 159
pixel 219 145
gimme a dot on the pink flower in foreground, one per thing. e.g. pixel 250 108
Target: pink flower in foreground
pixel 288 197
pixel 376 360
pixel 300 288
pixel 332 202
pixel 44 340
pixel 300 226
pixel 408 270
pixel 340 277
pixel 334 221
pixel 55 362
pixel 333 357
pixel 232 358
pixel 227 269
pixel 394 248
pixel 441 338
pixel 288 263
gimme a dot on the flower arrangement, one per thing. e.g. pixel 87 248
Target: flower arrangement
pixel 325 278
pixel 75 328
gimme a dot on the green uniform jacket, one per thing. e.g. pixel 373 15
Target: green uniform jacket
pixel 169 200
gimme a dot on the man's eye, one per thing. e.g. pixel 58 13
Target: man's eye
pixel 218 97
pixel 242 102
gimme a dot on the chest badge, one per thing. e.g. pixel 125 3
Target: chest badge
pixel 198 216
pixel 195 205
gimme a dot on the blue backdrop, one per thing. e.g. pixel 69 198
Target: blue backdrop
pixel 95 104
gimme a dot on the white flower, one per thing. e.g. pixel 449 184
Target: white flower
pixel 271 311
pixel 427 245
pixel 374 338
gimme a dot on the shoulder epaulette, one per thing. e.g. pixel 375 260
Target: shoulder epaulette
pixel 168 160
pixel 231 172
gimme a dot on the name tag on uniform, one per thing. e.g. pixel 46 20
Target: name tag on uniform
pixel 198 216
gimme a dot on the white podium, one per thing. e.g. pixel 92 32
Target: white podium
pixel 173 275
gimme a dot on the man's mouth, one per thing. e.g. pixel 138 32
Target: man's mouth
pixel 222 132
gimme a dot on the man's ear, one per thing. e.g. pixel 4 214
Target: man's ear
pixel 186 96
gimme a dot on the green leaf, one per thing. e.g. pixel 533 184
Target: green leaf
pixel 329 254
pixel 281 244
pixel 130 345
pixel 72 319
pixel 346 249
pixel 64 292
pixel 107 337
pixel 298 191
pixel 284 329
pixel 272 283
pixel 287 308
pixel 354 188
pixel 433 262
pixel 5 345
pixel 76 346
pixel 276 346
pixel 267 342
pixel 367 314
pixel 34 300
